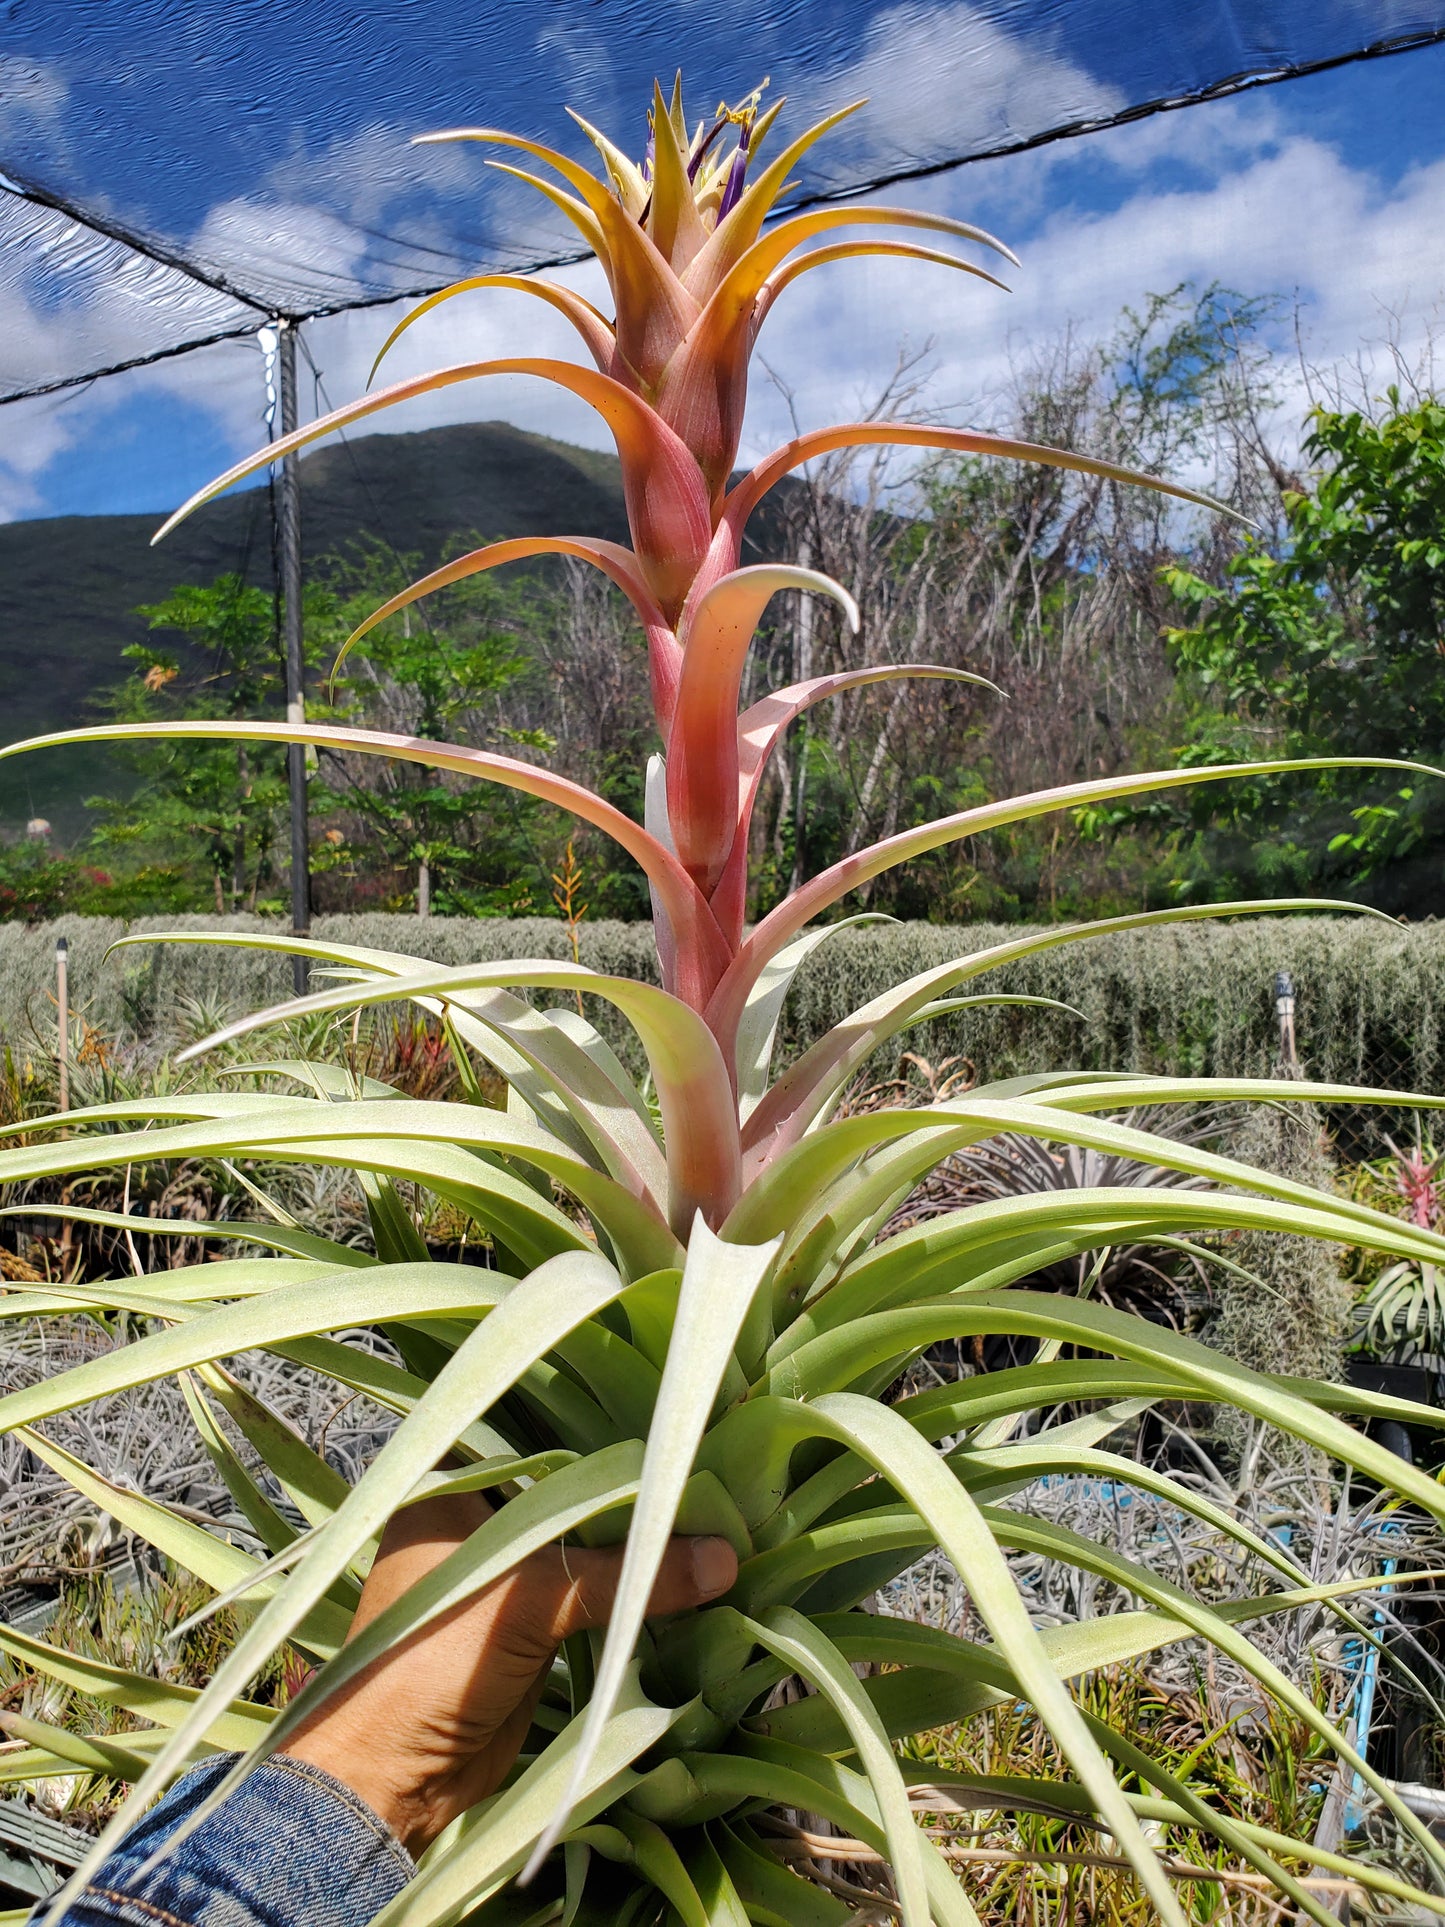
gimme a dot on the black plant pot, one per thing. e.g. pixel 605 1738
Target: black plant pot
pixel 1415 1382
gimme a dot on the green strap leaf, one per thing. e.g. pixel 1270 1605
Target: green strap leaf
pixel 799 1643
pixel 393 1229
pixel 693 1087
pixel 492 1849
pixel 1101 1328
pixel 638 1843
pixel 274 1532
pixel 231 1723
pixel 558 1062
pixel 1016 1529
pixel 620 1378
pixel 1064 1799
pixel 772 1895
pixel 758 1025
pixel 719 1284
pixel 563 1086
pixel 332 1303
pixel 998 1472
pixel 805 1090
pixel 62 1749
pixel 1025 1388
pixel 907 1698
pixel 772 1203
pixel 214 1561
pixel 404 1137
pixel 527 1323
pixel 170 1295
pixel 914 1469
pixel 775 1774
pixel 272 1237
pixel 947 1253
pixel 313 1487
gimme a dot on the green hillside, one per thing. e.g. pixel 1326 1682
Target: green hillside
pixel 69 587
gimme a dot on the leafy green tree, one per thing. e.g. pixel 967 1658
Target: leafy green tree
pixel 497 661
pixel 206 828
pixel 1043 581
pixel 1329 642
pixel 452 668
pixel 200 822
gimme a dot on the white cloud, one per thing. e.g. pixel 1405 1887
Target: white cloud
pixel 33 97
pixel 1226 191
pixel 107 305
pixel 910 69
pixel 1282 214
pixel 897 67
pixel 580 55
pixel 368 171
pixel 271 241
pixel 486 325
pixel 35 435
pixel 1272 211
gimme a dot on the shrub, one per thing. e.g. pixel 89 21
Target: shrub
pixel 1190 999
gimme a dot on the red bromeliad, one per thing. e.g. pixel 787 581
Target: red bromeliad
pixel 693 275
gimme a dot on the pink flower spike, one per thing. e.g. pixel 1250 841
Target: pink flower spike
pixel 702 773
pixel 759 730
pixel 667 498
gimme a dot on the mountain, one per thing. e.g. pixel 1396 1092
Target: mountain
pixel 70 586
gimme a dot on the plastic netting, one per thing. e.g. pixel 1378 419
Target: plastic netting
pixel 174 173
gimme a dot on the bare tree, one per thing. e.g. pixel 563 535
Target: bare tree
pixel 1044 581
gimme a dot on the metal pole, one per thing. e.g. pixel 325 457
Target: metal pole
pixel 290 546
pixel 62 1006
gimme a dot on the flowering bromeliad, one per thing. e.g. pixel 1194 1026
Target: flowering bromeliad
pixel 693 274
pixel 705 1335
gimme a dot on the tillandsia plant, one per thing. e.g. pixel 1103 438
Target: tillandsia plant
pixel 691 1321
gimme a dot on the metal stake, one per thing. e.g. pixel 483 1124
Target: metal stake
pixel 290 547
pixel 62 1006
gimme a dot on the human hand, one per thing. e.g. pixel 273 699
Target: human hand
pixel 435 1724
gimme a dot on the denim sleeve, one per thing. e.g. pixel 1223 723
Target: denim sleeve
pixel 291 1847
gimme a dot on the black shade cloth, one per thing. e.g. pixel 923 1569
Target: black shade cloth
pixel 175 173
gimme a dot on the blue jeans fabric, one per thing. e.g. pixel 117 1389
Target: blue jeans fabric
pixel 291 1847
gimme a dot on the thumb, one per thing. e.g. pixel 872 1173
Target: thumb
pixel 692 1572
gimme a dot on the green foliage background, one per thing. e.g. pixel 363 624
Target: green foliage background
pixel 1123 635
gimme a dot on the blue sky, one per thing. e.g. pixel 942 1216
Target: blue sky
pixel 1326 191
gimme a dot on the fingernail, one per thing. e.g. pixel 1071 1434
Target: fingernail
pixel 714 1566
